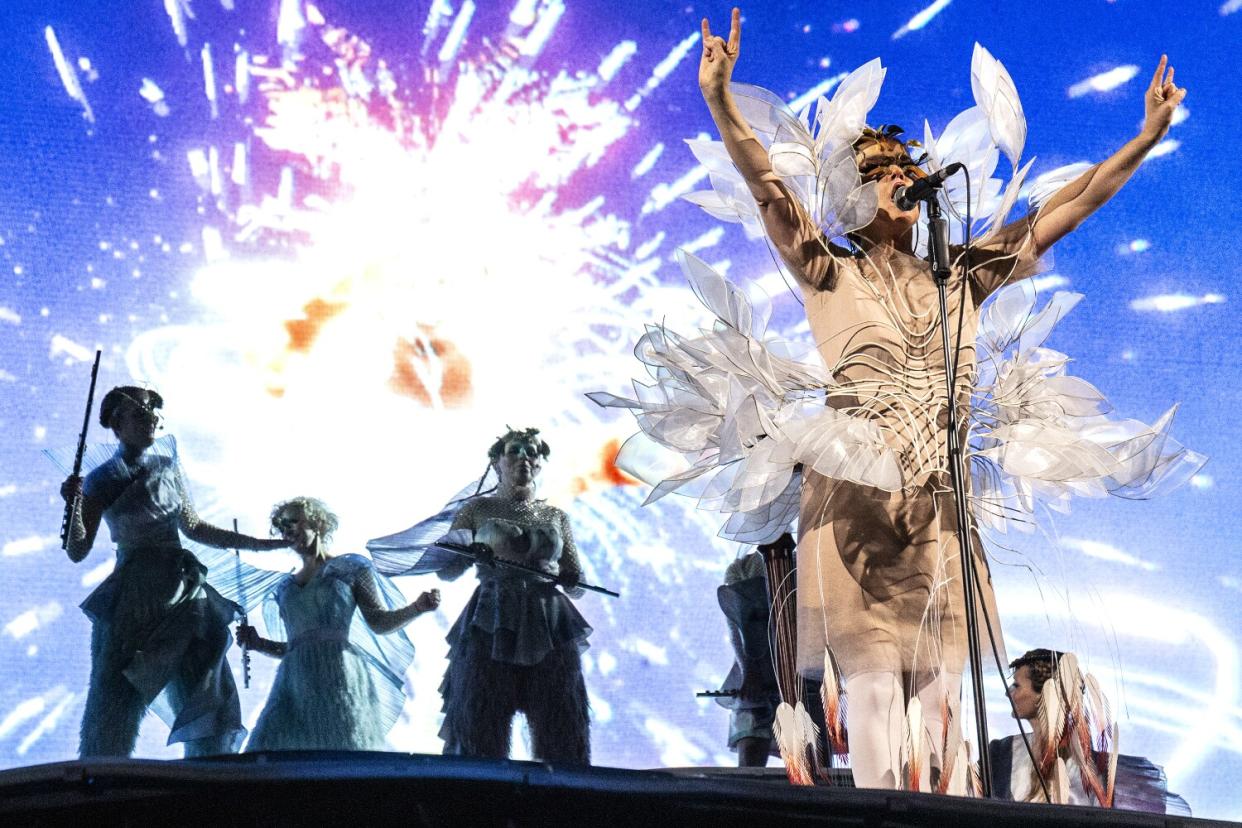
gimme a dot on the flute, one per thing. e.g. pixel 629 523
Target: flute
pixel 241 598
pixel 74 506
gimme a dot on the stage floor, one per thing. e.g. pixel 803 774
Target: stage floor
pixel 367 789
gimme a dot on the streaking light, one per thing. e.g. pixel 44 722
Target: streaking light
pixel 26 709
pixel 1048 281
pixel 814 93
pixel 63 345
pixel 46 724
pixel 1170 302
pixel 457 33
pixel 648 161
pixel 616 59
pixel 177 11
pixel 30 620
pixel 1107 552
pixel 921 19
pixel 152 94
pixel 662 70
pixel 1104 82
pixel 68 75
pixel 24 546
pixel 1165 147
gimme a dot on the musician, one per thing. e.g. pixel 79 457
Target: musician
pixel 517 644
pixel 159 629
pixel 340 685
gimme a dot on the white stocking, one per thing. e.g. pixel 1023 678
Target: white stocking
pixel 932 695
pixel 876 710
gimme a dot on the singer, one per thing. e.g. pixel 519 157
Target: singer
pixel 865 474
pixel 159 630
pixel 878 565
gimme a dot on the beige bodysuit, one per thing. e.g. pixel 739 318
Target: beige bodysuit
pixel 879 578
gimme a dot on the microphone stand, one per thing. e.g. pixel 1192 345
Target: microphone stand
pixel 938 247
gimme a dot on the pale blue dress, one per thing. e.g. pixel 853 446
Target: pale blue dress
pixel 339 686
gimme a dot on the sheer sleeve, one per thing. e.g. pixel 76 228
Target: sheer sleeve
pixel 274 644
pixel 375 610
pixel 83 528
pixel 100 489
pixel 571 566
pixel 197 529
pixel 414 551
pixel 385 647
pixel 455 567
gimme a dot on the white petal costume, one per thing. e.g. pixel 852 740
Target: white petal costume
pixel 851 439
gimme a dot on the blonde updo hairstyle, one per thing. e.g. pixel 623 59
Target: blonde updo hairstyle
pixel 318 516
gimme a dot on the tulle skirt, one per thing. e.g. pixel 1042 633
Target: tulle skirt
pixel 324 698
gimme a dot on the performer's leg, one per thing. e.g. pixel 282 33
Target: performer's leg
pixel 940 695
pixel 753 751
pixel 876 711
pixel 202 692
pixel 483 698
pixel 229 736
pixel 557 710
pixel 114 709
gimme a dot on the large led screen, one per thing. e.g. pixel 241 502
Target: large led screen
pixel 350 241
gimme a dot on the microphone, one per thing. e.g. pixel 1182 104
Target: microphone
pixel 907 197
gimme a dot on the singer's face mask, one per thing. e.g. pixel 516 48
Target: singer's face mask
pixel 876 158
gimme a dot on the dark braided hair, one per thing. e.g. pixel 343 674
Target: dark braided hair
pixel 1042 663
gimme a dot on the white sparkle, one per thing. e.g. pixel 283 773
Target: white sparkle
pixel 1104 81
pixel 921 19
pixel 1165 147
pixel 24 546
pixel 1107 552
pixel 1048 281
pixel 30 620
pixel 648 161
pixel 1172 302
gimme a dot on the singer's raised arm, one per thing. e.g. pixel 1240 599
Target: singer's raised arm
pixel 1087 193
pixel 791 232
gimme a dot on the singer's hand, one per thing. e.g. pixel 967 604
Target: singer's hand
pixel 71 488
pixel 719 57
pixel 1161 101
